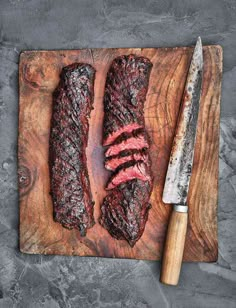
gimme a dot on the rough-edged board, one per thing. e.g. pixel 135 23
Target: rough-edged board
pixel 38 77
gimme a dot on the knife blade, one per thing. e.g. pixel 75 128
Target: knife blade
pixel 180 169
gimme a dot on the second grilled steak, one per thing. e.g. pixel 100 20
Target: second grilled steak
pixel 70 186
pixel 125 208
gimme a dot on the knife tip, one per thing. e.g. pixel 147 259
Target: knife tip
pixel 198 53
pixel 199 42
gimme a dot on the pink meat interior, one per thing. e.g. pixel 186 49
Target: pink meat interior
pixel 139 142
pixel 126 129
pixel 137 171
pixel 115 162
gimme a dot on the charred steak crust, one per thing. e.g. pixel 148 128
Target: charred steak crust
pixel 70 186
pixel 125 94
pixel 126 135
pixel 124 211
pixel 127 153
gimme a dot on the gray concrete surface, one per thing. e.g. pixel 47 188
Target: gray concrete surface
pixel 53 281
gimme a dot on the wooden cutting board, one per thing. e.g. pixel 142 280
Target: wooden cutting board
pixel 38 77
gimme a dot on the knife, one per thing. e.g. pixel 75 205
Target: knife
pixel 180 168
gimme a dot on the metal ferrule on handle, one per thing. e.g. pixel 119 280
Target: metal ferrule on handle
pixel 181 208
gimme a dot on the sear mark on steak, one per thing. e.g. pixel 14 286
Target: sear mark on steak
pixel 125 210
pixel 125 94
pixel 129 171
pixel 113 162
pixel 70 186
pixel 126 135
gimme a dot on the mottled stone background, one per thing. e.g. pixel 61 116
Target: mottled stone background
pixel 53 281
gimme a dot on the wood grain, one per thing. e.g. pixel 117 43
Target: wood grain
pixel 38 77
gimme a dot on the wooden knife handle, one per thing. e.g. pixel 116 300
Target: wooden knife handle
pixel 174 248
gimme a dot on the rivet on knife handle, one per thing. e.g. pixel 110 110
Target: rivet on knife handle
pixel 179 170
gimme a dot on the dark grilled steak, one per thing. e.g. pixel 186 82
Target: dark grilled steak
pixel 125 93
pixel 125 210
pixel 70 187
pixel 129 171
pixel 113 162
pixel 138 142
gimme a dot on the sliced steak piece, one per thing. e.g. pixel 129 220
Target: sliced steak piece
pixel 125 94
pixel 125 210
pixel 70 187
pixel 126 129
pixel 129 171
pixel 113 162
pixel 137 142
